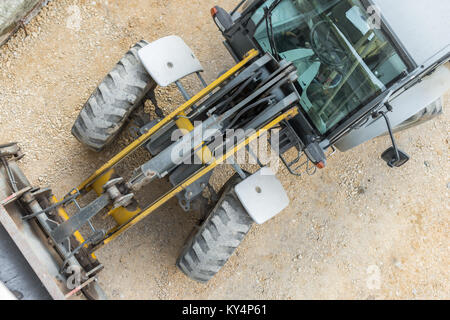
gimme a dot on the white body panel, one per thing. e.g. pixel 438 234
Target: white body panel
pixel 423 27
pixel 405 105
pixel 169 59
pixel 262 195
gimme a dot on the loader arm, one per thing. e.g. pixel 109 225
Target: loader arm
pixel 255 95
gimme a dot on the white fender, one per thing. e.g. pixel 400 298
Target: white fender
pixel 168 60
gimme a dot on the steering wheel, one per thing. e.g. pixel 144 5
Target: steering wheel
pixel 326 45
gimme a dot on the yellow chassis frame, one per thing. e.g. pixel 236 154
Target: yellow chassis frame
pixel 126 219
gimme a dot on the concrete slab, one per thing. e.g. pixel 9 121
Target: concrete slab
pixel 14 13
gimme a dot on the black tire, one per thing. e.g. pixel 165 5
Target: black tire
pixel 207 251
pixel 121 91
pixel 428 113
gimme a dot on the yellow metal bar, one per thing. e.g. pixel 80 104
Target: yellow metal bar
pixel 121 215
pixel 97 186
pixel 142 139
pixel 114 233
pixel 184 123
pixel 204 154
pixel 63 214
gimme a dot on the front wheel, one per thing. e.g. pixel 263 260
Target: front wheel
pixel 121 91
pixel 207 251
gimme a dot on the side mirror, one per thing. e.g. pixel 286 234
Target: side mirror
pixel 395 157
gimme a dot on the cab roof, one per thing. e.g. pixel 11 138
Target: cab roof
pixel 422 27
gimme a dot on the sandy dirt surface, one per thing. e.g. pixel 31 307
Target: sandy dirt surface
pixel 355 230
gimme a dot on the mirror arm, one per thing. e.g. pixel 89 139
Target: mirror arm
pixel 399 157
pixel 391 134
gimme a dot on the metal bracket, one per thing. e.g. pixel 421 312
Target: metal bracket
pixel 393 156
pixel 67 228
pixel 194 189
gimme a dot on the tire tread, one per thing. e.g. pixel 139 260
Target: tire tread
pixel 104 114
pixel 207 251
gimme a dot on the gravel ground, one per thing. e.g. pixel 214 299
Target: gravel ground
pixel 356 230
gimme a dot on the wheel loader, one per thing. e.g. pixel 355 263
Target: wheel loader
pixel 318 75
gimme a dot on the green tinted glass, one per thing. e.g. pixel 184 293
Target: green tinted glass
pixel 342 61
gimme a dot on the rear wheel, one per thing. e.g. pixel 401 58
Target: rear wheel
pixel 121 91
pixel 207 251
pixel 426 114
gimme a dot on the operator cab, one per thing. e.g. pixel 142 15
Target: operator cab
pixel 348 58
pixel 342 60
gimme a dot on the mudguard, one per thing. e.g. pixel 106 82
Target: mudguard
pixel 168 60
pixel 262 195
